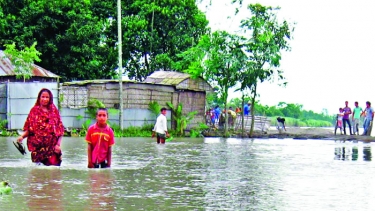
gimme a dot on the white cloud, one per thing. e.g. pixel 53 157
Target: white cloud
pixel 331 56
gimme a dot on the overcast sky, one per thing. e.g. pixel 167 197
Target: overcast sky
pixel 332 53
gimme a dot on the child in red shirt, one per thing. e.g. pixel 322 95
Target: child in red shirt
pixel 100 139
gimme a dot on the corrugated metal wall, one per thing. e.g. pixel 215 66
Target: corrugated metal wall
pixel 136 99
pixel 137 96
pixel 3 101
pixel 132 117
pixel 17 98
pixel 21 98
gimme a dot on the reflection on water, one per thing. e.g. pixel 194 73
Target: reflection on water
pixel 351 153
pixel 196 174
pixel 367 153
pixel 45 188
pixel 101 189
pixel 355 153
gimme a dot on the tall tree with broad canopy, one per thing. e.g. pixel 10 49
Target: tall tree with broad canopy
pixel 78 39
pixel 218 58
pixel 156 32
pixel 71 35
pixel 266 37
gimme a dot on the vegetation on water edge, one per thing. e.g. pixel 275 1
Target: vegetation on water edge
pixel 294 114
pixel 293 122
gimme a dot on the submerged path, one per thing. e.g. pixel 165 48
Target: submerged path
pixel 301 133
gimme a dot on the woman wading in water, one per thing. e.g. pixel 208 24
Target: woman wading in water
pixel 44 130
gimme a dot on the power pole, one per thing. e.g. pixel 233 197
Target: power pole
pixel 119 32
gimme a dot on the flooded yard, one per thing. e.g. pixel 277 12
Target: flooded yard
pixel 196 174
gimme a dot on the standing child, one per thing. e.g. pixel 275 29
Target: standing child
pixel 100 139
pixel 212 116
pixel 339 118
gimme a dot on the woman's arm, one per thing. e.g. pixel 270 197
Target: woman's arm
pixel 59 141
pixel 23 136
pixel 58 145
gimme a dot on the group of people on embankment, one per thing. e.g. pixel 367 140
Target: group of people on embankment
pixel 215 116
pixel 347 116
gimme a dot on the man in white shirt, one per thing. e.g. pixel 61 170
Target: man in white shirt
pixel 160 127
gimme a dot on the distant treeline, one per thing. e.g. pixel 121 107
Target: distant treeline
pixel 294 114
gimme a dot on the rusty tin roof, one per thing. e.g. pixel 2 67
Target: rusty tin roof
pixel 7 68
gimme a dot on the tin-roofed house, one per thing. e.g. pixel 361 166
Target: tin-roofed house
pixel 17 96
pixel 161 86
pixel 191 93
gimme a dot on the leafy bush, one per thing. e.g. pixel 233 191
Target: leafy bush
pixel 133 131
pixel 181 119
pixel 197 131
pixel 154 107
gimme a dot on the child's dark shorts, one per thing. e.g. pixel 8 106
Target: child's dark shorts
pixel 101 165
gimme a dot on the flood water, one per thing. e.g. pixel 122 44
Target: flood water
pixel 196 174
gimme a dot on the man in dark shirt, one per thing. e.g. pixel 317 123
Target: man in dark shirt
pixel 281 123
pixel 345 119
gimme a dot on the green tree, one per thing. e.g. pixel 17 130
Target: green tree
pixel 78 39
pixel 290 109
pixel 156 32
pixel 71 35
pixel 266 39
pixel 22 60
pixel 2 20
pixel 213 99
pixel 274 111
pixel 218 58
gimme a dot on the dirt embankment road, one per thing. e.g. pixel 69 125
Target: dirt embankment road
pixel 312 133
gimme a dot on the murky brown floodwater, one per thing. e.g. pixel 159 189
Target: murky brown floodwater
pixel 196 174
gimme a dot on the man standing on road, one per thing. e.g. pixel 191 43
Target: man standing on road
pixel 345 119
pixel 369 116
pixel 356 117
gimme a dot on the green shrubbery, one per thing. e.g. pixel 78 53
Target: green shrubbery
pixel 133 131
